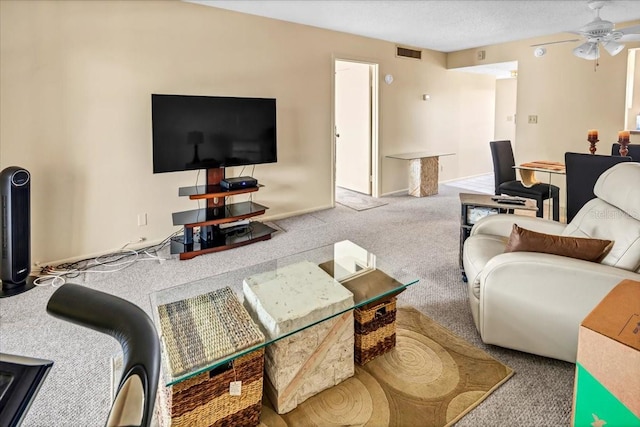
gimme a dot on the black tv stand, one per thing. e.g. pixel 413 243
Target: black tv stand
pixel 212 238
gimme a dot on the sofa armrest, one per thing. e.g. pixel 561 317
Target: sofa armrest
pixel 502 224
pixel 536 302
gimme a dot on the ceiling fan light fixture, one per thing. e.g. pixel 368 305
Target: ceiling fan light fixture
pixel 598 34
pixel 613 47
pixel 587 50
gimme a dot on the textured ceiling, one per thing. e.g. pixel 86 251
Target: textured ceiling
pixel 444 26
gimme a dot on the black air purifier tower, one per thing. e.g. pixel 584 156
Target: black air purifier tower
pixel 15 258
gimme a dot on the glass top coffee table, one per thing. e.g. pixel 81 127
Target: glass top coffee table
pixel 355 268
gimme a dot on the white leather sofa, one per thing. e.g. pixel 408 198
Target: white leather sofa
pixel 535 302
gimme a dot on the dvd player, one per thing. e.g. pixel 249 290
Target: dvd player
pixel 238 183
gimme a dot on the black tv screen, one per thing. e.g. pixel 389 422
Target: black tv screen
pixel 202 132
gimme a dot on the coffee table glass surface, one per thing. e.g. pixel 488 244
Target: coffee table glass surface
pixel 367 276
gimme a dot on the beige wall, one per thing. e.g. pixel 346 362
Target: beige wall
pixel 565 92
pixel 506 97
pixel 568 94
pixel 76 79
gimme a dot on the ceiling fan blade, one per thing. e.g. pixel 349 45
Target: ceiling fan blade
pixel 630 38
pixel 556 42
pixel 634 29
pixel 578 33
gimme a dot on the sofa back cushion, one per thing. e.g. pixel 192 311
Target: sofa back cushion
pixel 619 187
pixel 599 220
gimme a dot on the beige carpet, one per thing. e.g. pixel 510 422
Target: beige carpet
pixel 431 378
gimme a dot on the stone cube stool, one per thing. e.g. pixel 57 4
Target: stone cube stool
pixel 312 360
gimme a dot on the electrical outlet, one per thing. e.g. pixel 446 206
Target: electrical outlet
pixel 533 120
pixel 137 241
pixel 142 219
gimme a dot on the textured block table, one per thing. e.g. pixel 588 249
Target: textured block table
pixel 316 358
pixel 423 172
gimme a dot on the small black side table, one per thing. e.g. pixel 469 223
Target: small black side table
pixel 475 206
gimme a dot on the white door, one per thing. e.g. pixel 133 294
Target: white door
pixel 353 126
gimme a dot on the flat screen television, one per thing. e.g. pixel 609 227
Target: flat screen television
pixel 203 132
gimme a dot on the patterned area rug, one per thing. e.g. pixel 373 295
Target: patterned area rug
pixel 431 378
pixel 357 201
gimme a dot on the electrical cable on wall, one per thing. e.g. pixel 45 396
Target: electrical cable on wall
pixel 56 275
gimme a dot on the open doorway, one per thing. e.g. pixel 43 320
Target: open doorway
pixel 504 111
pixel 355 120
pixel 506 94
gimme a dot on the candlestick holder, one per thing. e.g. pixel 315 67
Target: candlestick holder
pixel 624 142
pixel 593 140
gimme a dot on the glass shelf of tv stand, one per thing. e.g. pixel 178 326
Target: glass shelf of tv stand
pixel 367 276
pixel 213 191
pixel 219 214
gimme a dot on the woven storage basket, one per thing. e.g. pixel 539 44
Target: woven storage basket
pixel 375 330
pixel 204 400
pixel 195 333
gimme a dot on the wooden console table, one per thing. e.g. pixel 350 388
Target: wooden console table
pixel 423 171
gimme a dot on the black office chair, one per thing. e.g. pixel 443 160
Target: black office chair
pixel 506 182
pixel 634 151
pixel 583 170
pixel 130 325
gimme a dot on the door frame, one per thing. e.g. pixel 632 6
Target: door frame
pixel 375 161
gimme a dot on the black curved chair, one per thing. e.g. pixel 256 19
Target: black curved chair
pixel 583 170
pixel 506 183
pixel 634 151
pixel 134 330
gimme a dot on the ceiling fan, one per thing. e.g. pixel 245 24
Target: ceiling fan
pixel 599 32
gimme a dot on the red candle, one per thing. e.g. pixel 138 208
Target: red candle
pixel 592 134
pixel 624 135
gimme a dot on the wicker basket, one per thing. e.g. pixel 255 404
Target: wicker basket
pixel 195 333
pixel 204 400
pixel 375 330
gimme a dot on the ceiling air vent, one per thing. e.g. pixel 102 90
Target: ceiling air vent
pixel 405 52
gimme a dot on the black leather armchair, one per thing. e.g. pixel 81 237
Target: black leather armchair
pixel 130 325
pixel 634 151
pixel 506 182
pixel 583 170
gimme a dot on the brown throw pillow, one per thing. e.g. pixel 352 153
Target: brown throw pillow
pixel 523 240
